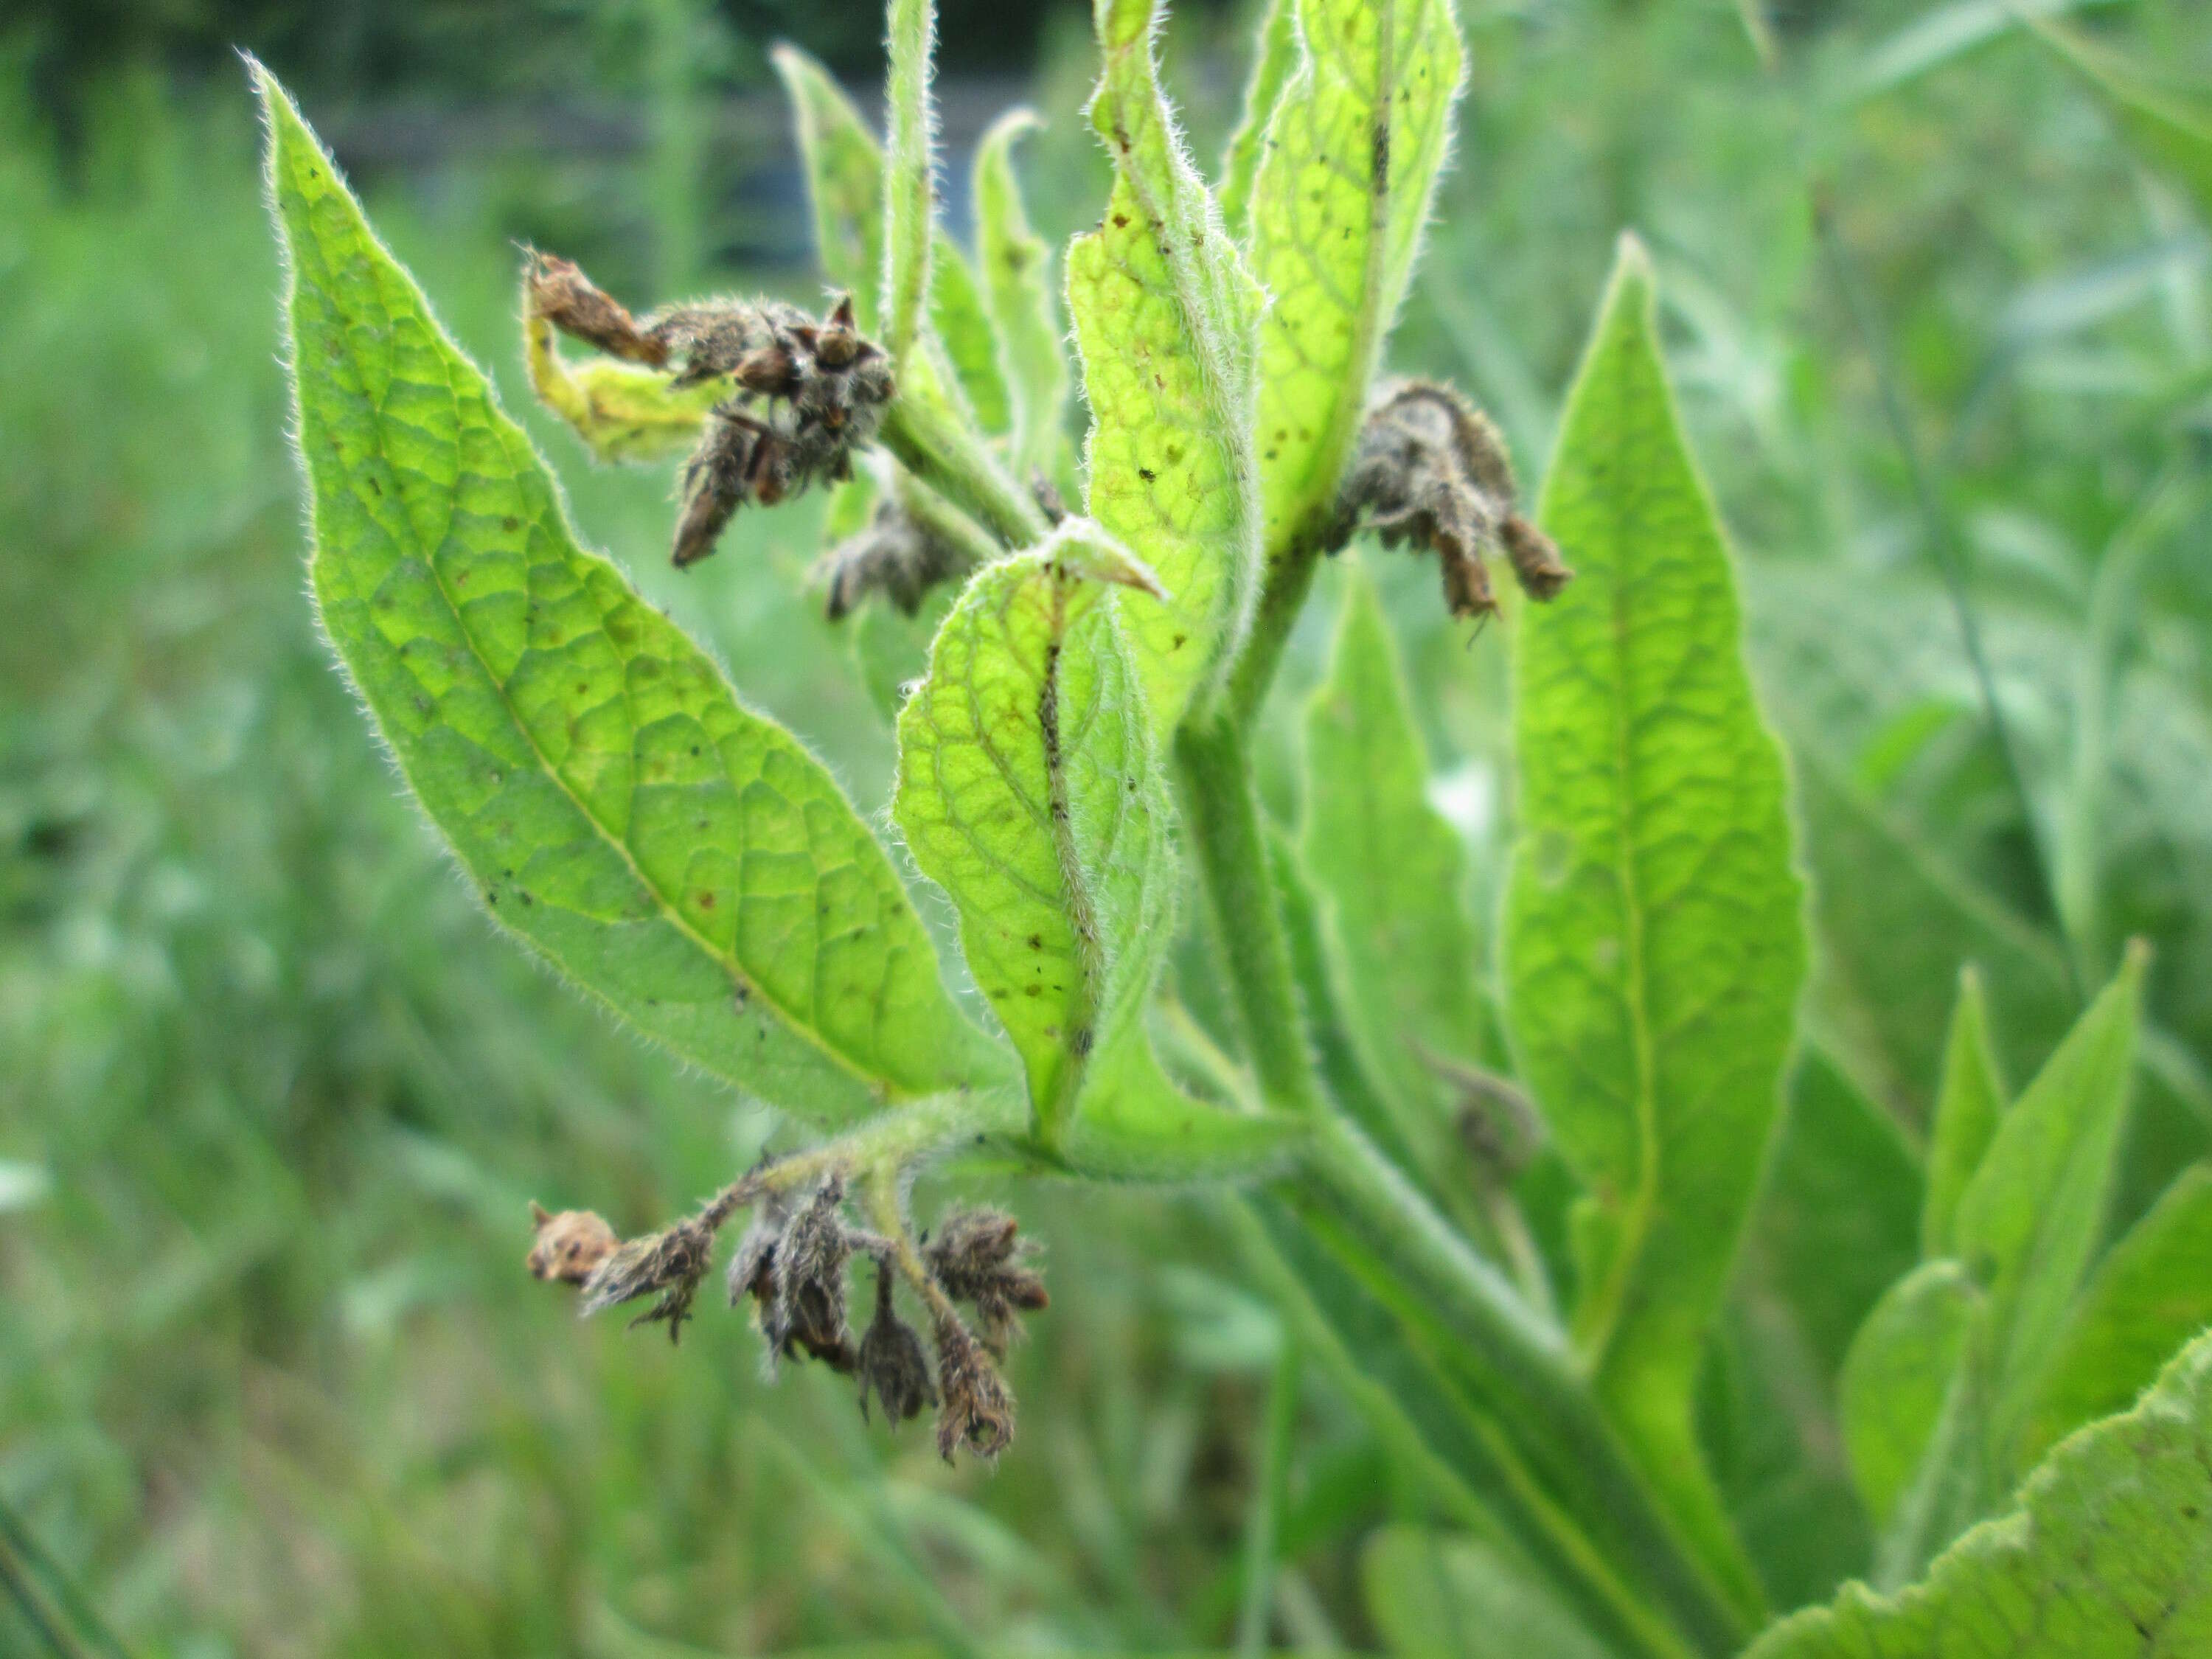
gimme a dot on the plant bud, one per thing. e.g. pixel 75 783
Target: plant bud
pixel 809 1309
pixel 671 1262
pixel 977 1259
pixel 892 1365
pixel 568 1245
pixel 977 1410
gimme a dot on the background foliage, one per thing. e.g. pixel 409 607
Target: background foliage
pixel 271 1098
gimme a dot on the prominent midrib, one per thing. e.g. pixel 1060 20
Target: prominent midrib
pixel 728 961
pixel 1080 1036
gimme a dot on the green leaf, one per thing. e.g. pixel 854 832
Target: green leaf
pixel 2030 1221
pixel 1967 1108
pixel 618 808
pixel 845 181
pixel 1338 207
pixel 1900 1369
pixel 1654 946
pixel 2108 1554
pixel 622 412
pixel 2152 1293
pixel 1165 319
pixel 1430 1594
pixel 1277 60
pixel 1017 267
pixel 2166 120
pixel 1392 871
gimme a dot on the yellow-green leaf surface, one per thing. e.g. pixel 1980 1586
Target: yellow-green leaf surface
pixel 2150 1295
pixel 615 804
pixel 622 412
pixel 1968 1106
pixel 1338 206
pixel 2107 1556
pixel 1165 316
pixel 1900 1368
pixel 1392 871
pixel 845 182
pixel 1653 945
pixel 1016 267
pixel 1029 788
pixel 2029 1222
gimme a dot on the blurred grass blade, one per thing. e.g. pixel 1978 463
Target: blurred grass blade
pixel 2030 1221
pixel 2107 1555
pixel 1899 1370
pixel 1392 873
pixel 1433 1595
pixel 618 808
pixel 1945 33
pixel 1340 200
pixel 1653 943
pixel 2168 122
pixel 2151 1294
pixel 1968 1106
pixel 1170 461
pixel 1016 267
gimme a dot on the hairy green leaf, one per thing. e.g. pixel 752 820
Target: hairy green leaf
pixel 2152 1293
pixel 622 412
pixel 1017 269
pixel 1339 202
pixel 2108 1555
pixel 1968 1106
pixel 1393 871
pixel 617 807
pixel 1430 1594
pixel 1654 946
pixel 845 181
pixel 909 174
pixel 2029 1222
pixel 1900 1368
pixel 1165 317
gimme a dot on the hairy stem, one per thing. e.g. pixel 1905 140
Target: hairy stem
pixel 934 444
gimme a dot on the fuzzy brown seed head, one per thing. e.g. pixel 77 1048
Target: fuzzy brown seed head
pixel 893 556
pixel 977 1412
pixel 1430 468
pixel 568 1246
pixel 808 1313
pixel 671 1262
pixel 977 1258
pixel 892 1365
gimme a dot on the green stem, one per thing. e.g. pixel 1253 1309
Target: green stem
pixel 1222 814
pixel 932 441
pixel 1282 596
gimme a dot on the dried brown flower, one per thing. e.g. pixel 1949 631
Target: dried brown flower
pixel 1430 468
pixel 671 1263
pixel 978 1258
pixel 806 1312
pixel 893 554
pixel 891 1362
pixel 977 1410
pixel 568 1245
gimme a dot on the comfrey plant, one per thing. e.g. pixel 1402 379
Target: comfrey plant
pixel 1503 1202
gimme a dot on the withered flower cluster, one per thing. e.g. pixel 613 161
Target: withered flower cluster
pixel 807 394
pixel 1429 469
pixel 792 1263
pixel 894 555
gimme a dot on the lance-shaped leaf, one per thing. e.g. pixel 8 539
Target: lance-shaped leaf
pixel 679 856
pixel 2107 1556
pixel 622 412
pixel 845 181
pixel 1392 870
pixel 2150 1295
pixel 1029 788
pixel 1968 1105
pixel 1653 945
pixel 1165 315
pixel 1016 267
pixel 2029 1223
pixel 1900 1369
pixel 1338 206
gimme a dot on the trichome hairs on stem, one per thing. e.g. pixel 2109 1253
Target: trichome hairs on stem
pixel 791 1264
pixel 807 394
pixel 1431 469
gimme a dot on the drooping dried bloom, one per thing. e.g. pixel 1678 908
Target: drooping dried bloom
pixel 671 1262
pixel 977 1410
pixel 568 1245
pixel 893 554
pixel 978 1258
pixel 1429 469
pixel 808 1311
pixel 806 395
pixel 752 1264
pixel 892 1365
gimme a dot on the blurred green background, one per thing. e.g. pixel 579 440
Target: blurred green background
pixel 273 1097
